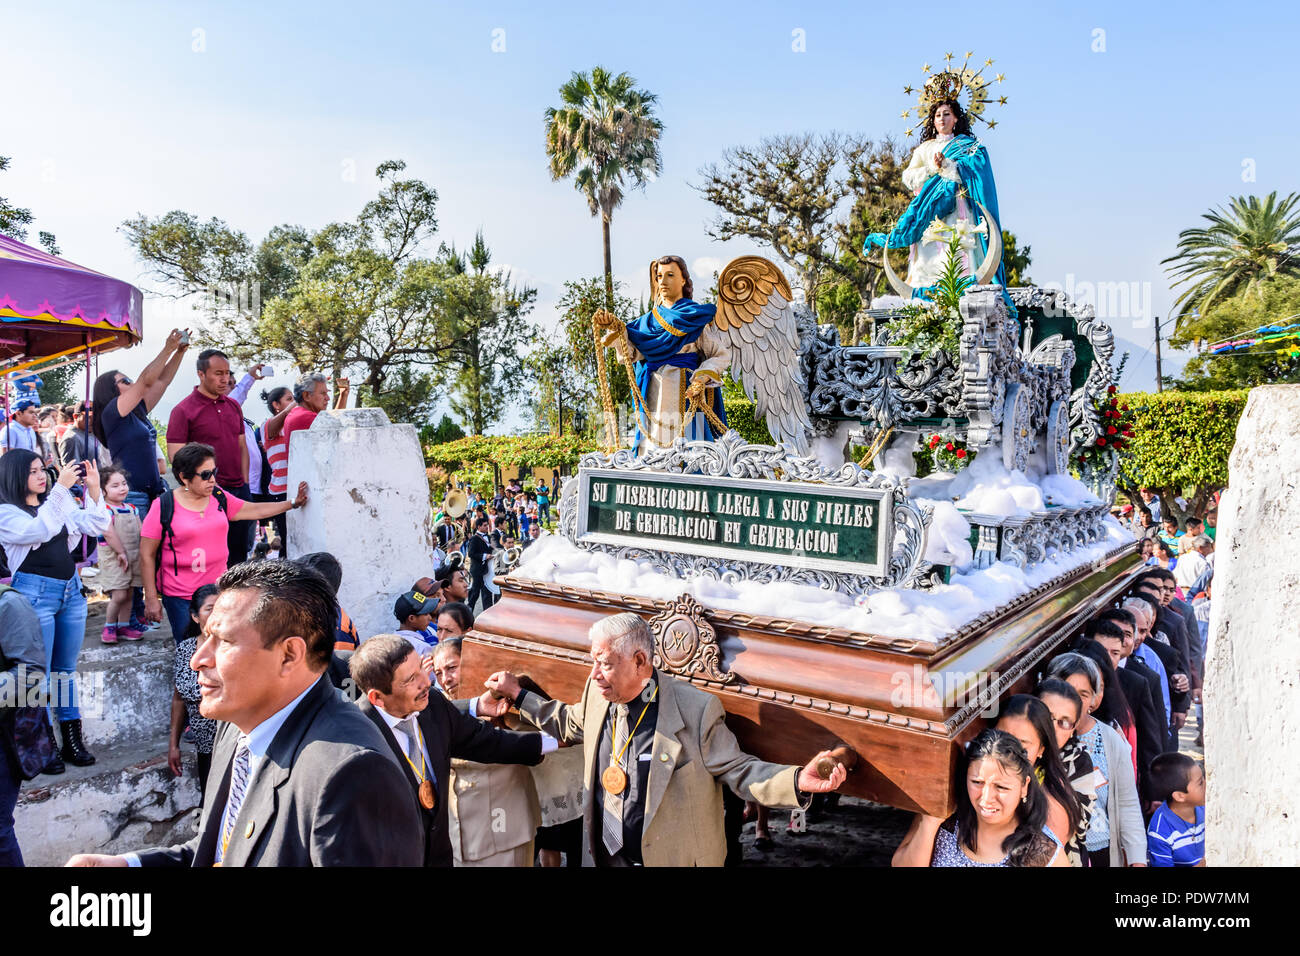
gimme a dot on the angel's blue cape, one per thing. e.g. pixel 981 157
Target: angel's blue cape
pixel 938 198
pixel 659 347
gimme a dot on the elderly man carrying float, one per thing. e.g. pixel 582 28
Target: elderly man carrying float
pixel 657 754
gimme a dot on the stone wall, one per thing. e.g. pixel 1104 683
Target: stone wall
pixel 1252 670
pixel 369 507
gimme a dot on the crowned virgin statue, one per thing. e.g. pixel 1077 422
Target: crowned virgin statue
pixel 951 180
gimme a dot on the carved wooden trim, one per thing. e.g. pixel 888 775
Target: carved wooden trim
pixel 686 644
pixel 849 711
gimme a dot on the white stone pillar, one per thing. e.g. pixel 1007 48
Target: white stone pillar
pixel 1252 687
pixel 368 505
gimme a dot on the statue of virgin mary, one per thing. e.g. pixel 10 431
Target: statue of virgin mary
pixel 951 180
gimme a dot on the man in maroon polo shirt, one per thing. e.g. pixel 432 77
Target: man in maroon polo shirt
pixel 210 416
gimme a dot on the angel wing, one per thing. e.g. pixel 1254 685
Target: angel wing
pixel 755 318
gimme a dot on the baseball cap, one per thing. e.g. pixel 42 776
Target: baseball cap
pixel 411 603
pixel 23 403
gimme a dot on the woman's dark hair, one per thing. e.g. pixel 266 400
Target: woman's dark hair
pixel 688 287
pixel 1055 780
pixel 196 605
pixel 1114 708
pixel 187 462
pixel 1060 688
pixel 15 469
pixel 68 413
pixel 105 391
pixel 261 550
pixel 460 613
pixel 273 396
pixel 1024 846
pixel 962 125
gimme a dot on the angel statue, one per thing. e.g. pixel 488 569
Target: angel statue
pixel 679 351
pixel 951 180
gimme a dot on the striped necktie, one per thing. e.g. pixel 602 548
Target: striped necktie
pixel 412 742
pixel 238 788
pixel 611 825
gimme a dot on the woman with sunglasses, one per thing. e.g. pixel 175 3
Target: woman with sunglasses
pixel 120 418
pixel 177 560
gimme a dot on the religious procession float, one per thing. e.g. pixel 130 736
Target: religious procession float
pixel 830 597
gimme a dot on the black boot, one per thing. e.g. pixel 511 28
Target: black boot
pixel 74 751
pixel 55 764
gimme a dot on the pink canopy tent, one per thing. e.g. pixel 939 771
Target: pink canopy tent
pixel 52 309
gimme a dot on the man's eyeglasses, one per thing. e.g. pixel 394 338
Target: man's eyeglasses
pixel 206 475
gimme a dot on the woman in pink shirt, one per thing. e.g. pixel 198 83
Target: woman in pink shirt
pixel 177 561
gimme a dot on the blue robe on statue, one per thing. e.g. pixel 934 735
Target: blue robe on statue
pixel 660 340
pixel 938 199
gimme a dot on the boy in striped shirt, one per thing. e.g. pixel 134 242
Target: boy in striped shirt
pixel 1176 834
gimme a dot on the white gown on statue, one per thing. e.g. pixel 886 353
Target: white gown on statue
pixel 925 261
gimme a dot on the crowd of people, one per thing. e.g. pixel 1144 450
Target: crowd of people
pixel 1083 769
pixel 1087 769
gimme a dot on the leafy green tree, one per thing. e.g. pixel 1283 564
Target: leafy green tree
pixel 488 333
pixel 580 301
pixel 446 431
pixel 65 385
pixel 408 396
pixel 1243 246
pixel 604 133
pixel 1276 302
pixel 15 220
pixel 1180 447
pixel 352 295
pixel 1016 260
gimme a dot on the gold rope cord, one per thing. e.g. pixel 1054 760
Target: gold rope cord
pixel 606 396
pixel 876 446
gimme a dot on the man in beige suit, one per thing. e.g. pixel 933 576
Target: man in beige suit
pixel 493 811
pixel 657 754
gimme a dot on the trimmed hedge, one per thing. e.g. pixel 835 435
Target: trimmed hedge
pixel 1181 439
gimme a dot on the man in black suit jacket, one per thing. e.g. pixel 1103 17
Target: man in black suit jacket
pixel 425 730
pixel 479 551
pixel 304 780
pixel 1115 633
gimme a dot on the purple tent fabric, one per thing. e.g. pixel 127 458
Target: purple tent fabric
pixel 36 286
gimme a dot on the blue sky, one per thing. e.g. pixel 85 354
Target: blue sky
pixel 267 113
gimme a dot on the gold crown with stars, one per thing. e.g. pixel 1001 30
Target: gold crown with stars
pixel 952 84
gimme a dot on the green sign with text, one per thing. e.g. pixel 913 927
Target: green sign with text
pixel 775 522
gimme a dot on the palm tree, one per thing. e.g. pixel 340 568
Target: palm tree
pixel 604 131
pixel 1244 245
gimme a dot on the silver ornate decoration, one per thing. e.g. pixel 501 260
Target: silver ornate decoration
pixel 686 643
pixel 732 457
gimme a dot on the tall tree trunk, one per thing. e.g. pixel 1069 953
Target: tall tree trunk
pixel 609 269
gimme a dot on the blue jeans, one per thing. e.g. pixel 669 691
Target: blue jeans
pixel 61 609
pixel 177 610
pixel 10 853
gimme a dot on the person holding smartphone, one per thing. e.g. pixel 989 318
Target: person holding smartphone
pixel 40 526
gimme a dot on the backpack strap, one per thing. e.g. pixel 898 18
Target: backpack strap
pixel 167 511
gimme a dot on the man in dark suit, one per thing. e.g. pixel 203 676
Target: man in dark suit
pixel 425 730
pixel 1115 633
pixel 304 779
pixel 1173 664
pixel 479 551
pixel 1136 631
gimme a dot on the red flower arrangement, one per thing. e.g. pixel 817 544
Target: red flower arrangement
pixel 1118 422
pixel 949 454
